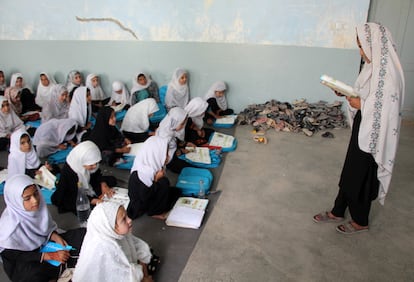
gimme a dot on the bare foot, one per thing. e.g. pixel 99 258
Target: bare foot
pixel 162 216
pixel 357 226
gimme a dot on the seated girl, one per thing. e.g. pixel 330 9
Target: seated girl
pixel 217 102
pixel 136 122
pixel 3 83
pixel 26 227
pixel 80 110
pixel 120 96
pixel 172 127
pixel 143 87
pixel 99 98
pixel 148 187
pixel 194 131
pixel 74 79
pixel 22 157
pixel 108 138
pixel 43 89
pixel 27 98
pixel 54 135
pixel 110 245
pixel 81 170
pixel 58 104
pixel 9 122
pixel 178 92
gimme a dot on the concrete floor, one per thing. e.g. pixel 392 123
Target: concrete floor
pixel 261 228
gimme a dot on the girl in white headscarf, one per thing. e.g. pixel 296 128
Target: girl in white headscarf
pixel 74 80
pixel 110 245
pixel 217 102
pixel 136 121
pixel 99 98
pixel 143 87
pixel 53 135
pixel 80 109
pixel 178 92
pixel 3 83
pixel 148 187
pixel 26 227
pixel 22 157
pixel 9 122
pixel 120 96
pixel 376 116
pixel 58 104
pixel 81 170
pixel 172 127
pixel 44 88
pixel 194 131
pixel 27 98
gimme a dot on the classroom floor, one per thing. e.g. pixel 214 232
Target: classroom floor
pixel 259 226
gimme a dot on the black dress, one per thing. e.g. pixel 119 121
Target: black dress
pixel 192 136
pixel 154 200
pixel 67 188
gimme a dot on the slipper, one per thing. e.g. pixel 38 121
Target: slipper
pixel 348 228
pixel 260 139
pixel 324 218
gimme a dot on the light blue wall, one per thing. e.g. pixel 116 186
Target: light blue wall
pixel 254 73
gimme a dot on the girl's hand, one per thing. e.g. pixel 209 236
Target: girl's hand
pixel 58 239
pixel 158 175
pixel 201 133
pixel 62 146
pixel 60 256
pixel 339 94
pixel 354 102
pixel 127 141
pixel 48 166
pixel 106 190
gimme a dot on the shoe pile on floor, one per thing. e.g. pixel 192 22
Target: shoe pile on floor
pixel 300 116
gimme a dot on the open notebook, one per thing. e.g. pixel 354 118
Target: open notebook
pixel 188 212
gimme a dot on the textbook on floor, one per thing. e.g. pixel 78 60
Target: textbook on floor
pixel 188 212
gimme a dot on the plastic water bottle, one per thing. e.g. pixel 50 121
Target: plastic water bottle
pixel 83 208
pixel 201 191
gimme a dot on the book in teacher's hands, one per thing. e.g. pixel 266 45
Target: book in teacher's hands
pixel 338 86
pixel 188 212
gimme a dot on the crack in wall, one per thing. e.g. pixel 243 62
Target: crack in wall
pixel 108 20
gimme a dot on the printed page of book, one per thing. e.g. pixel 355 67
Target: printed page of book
pixel 221 140
pixel 337 85
pixel 199 155
pixel 230 119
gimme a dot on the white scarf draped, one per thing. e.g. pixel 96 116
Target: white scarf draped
pixel 211 93
pixel 70 84
pixel 43 92
pixel 85 153
pixel 138 87
pixel 167 128
pixel 122 98
pixel 20 229
pixel 19 161
pixel 49 135
pixel 53 107
pixel 150 159
pixel 78 109
pixel 196 109
pixel 97 92
pixel 9 122
pixel 177 95
pixel 116 255
pixel 137 117
pixel 381 88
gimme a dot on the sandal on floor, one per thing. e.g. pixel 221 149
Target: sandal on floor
pixel 348 228
pixel 324 218
pixel 260 139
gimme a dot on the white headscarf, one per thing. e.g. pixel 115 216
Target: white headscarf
pixel 20 229
pixel 18 161
pixel 381 88
pixel 150 159
pixel 136 119
pixel 196 109
pixel 14 78
pixel 78 109
pixel 211 93
pixel 177 95
pixel 53 108
pixel 3 86
pixel 97 92
pixel 49 135
pixel 43 92
pixel 85 153
pixel 167 128
pixel 122 98
pixel 70 84
pixel 8 122
pixel 117 255
pixel 138 87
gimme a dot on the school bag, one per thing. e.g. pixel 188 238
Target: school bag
pixel 189 181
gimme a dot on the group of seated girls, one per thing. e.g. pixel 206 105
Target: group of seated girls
pixel 67 123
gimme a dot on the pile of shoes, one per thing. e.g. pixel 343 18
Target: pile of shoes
pixel 298 116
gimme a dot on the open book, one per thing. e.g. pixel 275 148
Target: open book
pixel 338 86
pixel 120 197
pixel 198 155
pixel 221 140
pixel 187 212
pixel 45 178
